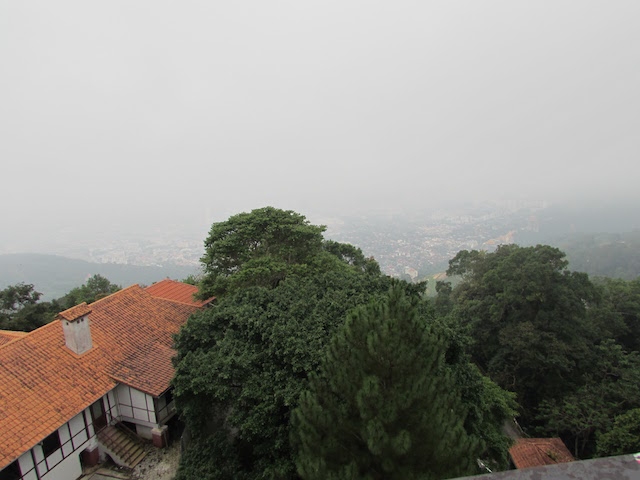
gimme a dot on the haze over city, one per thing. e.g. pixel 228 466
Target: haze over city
pixel 158 118
pixel 319 239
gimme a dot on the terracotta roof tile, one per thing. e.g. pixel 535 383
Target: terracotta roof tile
pixel 536 452
pixel 177 292
pixel 43 384
pixel 42 387
pixel 7 336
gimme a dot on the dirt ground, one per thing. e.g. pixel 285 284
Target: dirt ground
pixel 159 464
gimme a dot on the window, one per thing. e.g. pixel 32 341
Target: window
pixel 12 472
pixel 51 444
pixel 169 396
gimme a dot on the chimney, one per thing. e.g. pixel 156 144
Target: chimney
pixel 75 325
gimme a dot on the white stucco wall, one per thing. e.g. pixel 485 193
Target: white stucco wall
pixel 135 406
pixel 144 432
pixel 26 464
pixel 77 335
pixel 73 439
pixel 114 413
pixel 68 469
pixel 78 432
pixel 122 403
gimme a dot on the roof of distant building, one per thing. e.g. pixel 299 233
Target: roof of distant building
pixel 536 452
pixel 177 292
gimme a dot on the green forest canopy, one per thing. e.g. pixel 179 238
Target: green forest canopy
pixel 518 326
pixel 21 309
pixel 242 365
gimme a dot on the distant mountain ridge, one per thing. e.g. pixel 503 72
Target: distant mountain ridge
pixel 54 275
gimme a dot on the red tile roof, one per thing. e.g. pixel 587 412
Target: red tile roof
pixel 7 336
pixel 43 384
pixel 177 291
pixel 536 452
pixel 138 330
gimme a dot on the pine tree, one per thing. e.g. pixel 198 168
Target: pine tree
pixel 382 406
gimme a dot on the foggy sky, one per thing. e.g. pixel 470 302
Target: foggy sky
pixel 181 113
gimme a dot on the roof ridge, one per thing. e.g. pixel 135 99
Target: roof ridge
pixel 177 301
pixel 167 279
pixel 10 342
pixel 130 287
pixel 16 333
pixel 127 382
pixel 10 336
pixel 28 334
pixel 55 319
pixel 177 292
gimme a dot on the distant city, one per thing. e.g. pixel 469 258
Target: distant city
pixel 421 245
pixel 601 240
pixel 415 245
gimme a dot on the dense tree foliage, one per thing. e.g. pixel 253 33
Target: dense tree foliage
pixel 623 437
pixel 604 254
pixel 15 297
pixel 243 363
pixel 617 314
pixel 487 405
pixel 568 347
pixel 525 312
pixel 610 387
pixel 95 288
pixel 383 406
pixel 20 308
pixel 258 249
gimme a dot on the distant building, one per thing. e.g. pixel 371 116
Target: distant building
pixel 64 385
pixel 537 452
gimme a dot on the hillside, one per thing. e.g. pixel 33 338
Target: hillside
pixel 54 276
pixel 604 254
pixel 613 255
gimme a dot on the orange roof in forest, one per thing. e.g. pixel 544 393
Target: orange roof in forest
pixel 43 384
pixel 177 291
pixel 536 452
